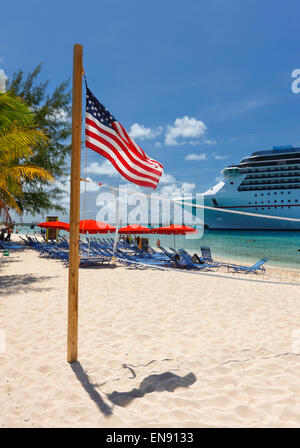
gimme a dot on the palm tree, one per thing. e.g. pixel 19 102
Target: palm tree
pixel 18 137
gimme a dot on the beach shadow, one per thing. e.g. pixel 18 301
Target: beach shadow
pixel 12 284
pixel 167 381
pixel 90 388
pixel 98 266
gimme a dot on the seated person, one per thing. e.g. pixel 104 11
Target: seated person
pixel 196 259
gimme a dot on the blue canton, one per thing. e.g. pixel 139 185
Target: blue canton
pixel 95 108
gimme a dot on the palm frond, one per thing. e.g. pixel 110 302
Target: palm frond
pixel 18 138
pixel 19 141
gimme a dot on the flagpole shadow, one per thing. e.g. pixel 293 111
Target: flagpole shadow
pixel 90 388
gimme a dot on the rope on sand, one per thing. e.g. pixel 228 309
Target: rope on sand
pixel 211 274
pixel 190 204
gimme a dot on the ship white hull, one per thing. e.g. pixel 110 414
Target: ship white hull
pixel 264 188
pixel 276 204
pixel 215 219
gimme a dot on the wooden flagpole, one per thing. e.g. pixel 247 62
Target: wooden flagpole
pixel 75 205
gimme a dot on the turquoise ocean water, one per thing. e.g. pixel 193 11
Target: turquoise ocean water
pixel 281 247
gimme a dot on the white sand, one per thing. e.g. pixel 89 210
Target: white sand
pixel 156 349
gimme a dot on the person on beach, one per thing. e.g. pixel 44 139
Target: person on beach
pixel 196 259
pixel 158 243
pixel 2 234
pixel 9 232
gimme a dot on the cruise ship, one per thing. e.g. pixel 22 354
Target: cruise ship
pixel 266 183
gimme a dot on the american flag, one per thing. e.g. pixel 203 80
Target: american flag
pixel 105 135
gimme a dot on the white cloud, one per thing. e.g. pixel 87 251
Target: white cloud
pixel 169 190
pixel 171 187
pixel 204 156
pixel 219 157
pixel 64 185
pixel 197 157
pixel 209 142
pixel 166 179
pixel 202 142
pixel 185 127
pixel 176 190
pixel 106 169
pixel 3 79
pixel 188 187
pixel 139 131
pixel 89 187
pixel 59 115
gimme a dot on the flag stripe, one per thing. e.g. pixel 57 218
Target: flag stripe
pixel 114 135
pixel 102 131
pixel 106 136
pixel 128 165
pixel 131 178
pixel 140 149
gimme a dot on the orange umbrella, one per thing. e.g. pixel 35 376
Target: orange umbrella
pixel 92 226
pixel 174 229
pixel 134 228
pixel 54 225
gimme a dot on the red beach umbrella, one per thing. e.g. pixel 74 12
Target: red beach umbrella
pixel 174 229
pixel 92 226
pixel 54 225
pixel 134 228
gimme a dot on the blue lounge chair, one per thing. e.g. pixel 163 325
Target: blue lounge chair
pixel 256 268
pixel 7 245
pixel 191 265
pixel 206 254
pixel 207 257
pixel 167 254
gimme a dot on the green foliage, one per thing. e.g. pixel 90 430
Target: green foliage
pixel 18 139
pixel 52 113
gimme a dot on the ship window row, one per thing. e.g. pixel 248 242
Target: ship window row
pixel 268 202
pixel 262 164
pixel 270 176
pixel 271 169
pixel 268 208
pixel 269 187
pixel 271 181
pixel 292 155
pixel 274 192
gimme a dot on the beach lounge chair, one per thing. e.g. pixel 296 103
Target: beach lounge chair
pixel 207 257
pixel 178 259
pixel 195 258
pixel 256 268
pixel 191 265
pixel 206 254
pixel 168 254
pixel 10 246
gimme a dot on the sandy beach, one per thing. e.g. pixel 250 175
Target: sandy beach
pixel 156 348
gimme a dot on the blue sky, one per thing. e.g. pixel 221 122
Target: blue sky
pixel 204 83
